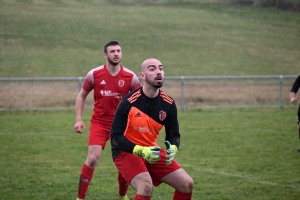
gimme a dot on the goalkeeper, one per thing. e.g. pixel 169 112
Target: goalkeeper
pixel 138 120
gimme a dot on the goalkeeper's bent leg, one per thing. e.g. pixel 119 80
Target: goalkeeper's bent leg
pixel 182 196
pixel 86 176
pixel 123 185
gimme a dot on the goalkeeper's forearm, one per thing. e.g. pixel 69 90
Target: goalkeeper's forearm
pixel 122 143
pixel 174 140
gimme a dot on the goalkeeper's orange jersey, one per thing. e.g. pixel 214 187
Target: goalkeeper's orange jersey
pixel 139 119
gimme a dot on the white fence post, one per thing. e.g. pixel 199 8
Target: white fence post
pixel 280 92
pixel 80 79
pixel 182 92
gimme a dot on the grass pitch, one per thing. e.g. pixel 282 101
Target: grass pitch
pixel 231 154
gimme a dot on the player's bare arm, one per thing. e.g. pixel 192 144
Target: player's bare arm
pixel 80 100
pixel 293 97
pixel 294 90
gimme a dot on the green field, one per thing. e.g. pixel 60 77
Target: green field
pixel 231 154
pixel 65 38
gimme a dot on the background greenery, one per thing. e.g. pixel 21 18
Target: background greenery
pixel 65 38
pixel 231 154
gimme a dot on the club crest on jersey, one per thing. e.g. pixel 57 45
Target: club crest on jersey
pixel 121 83
pixel 162 115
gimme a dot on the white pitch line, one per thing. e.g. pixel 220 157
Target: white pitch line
pixel 248 178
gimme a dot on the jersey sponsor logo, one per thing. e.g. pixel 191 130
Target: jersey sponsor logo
pixel 162 115
pixel 103 82
pixel 109 93
pixel 143 129
pixel 121 83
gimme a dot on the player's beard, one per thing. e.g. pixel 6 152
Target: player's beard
pixel 154 84
pixel 112 62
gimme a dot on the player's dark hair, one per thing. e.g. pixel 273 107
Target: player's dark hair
pixel 111 43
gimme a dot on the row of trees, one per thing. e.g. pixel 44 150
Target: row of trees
pixel 293 5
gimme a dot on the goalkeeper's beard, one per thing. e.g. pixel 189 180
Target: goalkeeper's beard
pixel 154 84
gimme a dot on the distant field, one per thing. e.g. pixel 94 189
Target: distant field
pixel 64 38
pixel 231 154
